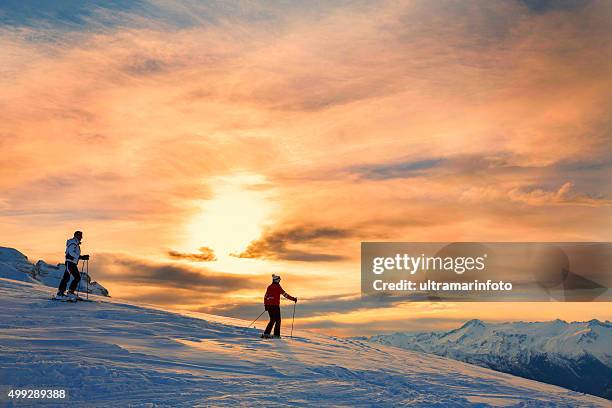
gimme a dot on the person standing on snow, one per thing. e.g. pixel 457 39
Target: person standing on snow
pixel 73 255
pixel 272 305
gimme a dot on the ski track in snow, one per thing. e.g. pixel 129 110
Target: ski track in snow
pixel 116 354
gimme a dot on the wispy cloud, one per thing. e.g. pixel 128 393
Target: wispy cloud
pixel 398 170
pixel 286 244
pixel 205 254
pixel 309 307
pixel 543 6
pixel 565 195
pixel 118 268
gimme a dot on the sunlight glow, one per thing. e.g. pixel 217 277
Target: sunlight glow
pixel 233 217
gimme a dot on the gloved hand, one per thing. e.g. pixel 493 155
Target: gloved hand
pixel 84 257
pixel 295 299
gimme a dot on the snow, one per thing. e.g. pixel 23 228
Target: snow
pixel 113 353
pixel 15 265
pixel 9 271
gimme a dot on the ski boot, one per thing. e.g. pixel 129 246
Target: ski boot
pixel 266 336
pixel 61 296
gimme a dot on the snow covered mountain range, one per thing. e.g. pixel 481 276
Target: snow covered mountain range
pixel 575 355
pixel 15 265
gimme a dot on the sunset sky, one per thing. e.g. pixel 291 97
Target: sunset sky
pixel 203 145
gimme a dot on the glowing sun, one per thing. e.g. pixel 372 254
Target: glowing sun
pixel 233 217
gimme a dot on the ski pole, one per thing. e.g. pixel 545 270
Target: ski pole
pixel 87 279
pixel 292 320
pixel 79 284
pixel 256 319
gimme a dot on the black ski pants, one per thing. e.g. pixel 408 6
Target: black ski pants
pixel 275 320
pixel 71 269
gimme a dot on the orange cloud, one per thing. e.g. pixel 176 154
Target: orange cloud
pixel 205 254
pixel 564 195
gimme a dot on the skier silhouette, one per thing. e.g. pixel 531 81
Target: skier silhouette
pixel 272 305
pixel 73 255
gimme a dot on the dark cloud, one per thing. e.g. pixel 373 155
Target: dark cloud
pixel 119 268
pixel 543 6
pixel 404 169
pixel 585 165
pixel 143 66
pixel 285 244
pixel 591 176
pixel 206 254
pixel 170 298
pixel 308 307
pixel 464 164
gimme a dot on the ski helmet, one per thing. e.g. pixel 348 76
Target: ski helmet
pixel 275 278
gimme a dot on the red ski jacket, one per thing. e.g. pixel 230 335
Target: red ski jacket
pixel 273 293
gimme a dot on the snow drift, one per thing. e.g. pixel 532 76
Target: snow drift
pixel 111 353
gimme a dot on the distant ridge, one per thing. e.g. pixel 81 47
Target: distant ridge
pixel 576 355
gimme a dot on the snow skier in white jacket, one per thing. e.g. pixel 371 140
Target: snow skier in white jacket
pixel 73 255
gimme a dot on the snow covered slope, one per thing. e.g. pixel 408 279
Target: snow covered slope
pixel 116 354
pixel 15 265
pixel 575 355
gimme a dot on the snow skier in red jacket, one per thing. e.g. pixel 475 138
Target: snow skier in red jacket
pixel 272 305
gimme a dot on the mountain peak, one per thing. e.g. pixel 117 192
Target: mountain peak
pixel 559 322
pixel 596 323
pixel 474 323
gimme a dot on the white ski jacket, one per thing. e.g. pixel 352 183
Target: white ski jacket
pixel 73 250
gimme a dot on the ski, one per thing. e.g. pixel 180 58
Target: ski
pixel 80 299
pixel 67 300
pixel 72 300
